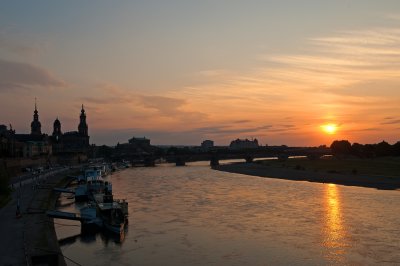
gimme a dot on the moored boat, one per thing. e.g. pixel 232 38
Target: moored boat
pixel 114 214
pixel 91 183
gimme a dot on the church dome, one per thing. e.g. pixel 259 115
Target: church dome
pixel 57 122
pixel 36 124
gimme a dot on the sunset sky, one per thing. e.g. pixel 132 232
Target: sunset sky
pixel 179 72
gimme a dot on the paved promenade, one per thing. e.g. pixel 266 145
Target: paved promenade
pixel 31 239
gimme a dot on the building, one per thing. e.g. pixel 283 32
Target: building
pixel 36 126
pixel 8 143
pixel 207 144
pixel 72 141
pixel 30 145
pixel 134 147
pixel 36 148
pixel 140 142
pixel 243 144
pixel 34 144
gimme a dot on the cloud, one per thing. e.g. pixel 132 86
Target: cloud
pixel 221 130
pixel 214 73
pixel 108 94
pixel 171 107
pixel 165 105
pixel 135 109
pixel 17 48
pixel 242 121
pixel 96 100
pixel 367 129
pixel 392 16
pixel 16 75
pixel 106 100
pixel 343 59
pixel 391 122
pixel 234 132
pixel 17 43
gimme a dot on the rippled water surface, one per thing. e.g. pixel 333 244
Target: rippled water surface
pixel 197 216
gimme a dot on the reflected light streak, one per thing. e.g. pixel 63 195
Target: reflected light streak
pixel 334 230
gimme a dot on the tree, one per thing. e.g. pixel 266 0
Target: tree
pixel 383 149
pixel 341 147
pixel 358 150
pixel 396 149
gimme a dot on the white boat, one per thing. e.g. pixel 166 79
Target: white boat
pixel 91 183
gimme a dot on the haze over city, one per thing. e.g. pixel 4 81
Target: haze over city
pixel 299 73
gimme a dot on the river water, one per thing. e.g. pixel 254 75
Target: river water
pixel 197 216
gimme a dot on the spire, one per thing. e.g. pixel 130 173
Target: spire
pixel 35 125
pixel 83 127
pixel 36 111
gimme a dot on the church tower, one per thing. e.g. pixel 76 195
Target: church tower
pixel 83 127
pixel 57 129
pixel 36 126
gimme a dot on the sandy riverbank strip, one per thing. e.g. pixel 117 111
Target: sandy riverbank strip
pixel 254 169
pixel 31 239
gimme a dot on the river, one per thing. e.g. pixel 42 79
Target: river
pixel 197 216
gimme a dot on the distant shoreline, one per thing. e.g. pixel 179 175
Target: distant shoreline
pixel 255 169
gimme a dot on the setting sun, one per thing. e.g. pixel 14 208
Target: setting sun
pixel 329 128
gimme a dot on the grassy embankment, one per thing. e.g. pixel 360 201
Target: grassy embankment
pixel 384 166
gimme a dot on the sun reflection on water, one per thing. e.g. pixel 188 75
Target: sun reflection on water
pixel 334 229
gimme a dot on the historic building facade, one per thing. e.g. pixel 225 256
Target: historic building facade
pixel 30 145
pixel 36 126
pixel 238 144
pixel 72 141
pixel 38 144
pixel 207 144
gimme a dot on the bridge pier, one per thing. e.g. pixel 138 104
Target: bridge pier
pixel 149 162
pixel 249 158
pixel 179 161
pixel 214 161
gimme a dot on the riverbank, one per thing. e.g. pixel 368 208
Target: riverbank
pixel 31 239
pixel 301 174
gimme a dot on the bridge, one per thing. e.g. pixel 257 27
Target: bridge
pixel 180 156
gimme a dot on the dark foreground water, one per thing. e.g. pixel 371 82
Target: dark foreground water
pixel 196 216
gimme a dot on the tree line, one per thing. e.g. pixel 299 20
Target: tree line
pixel 344 147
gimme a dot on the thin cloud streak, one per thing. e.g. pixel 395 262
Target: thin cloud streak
pixel 17 75
pixel 16 44
pixel 391 122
